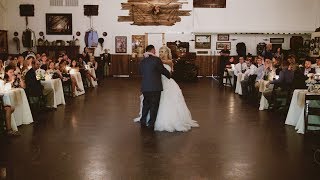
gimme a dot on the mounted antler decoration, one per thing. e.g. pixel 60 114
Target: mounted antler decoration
pixel 153 12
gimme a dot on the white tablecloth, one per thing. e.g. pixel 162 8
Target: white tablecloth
pixel 93 72
pixel 231 73
pixel 78 78
pixel 56 85
pixel 295 115
pixel 18 99
pixel 238 85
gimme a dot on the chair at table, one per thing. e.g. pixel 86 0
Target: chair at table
pixel 285 94
pixel 310 111
pixel 2 116
pixel 227 78
pixel 67 88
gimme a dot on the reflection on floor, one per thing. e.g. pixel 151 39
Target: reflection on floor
pixel 93 137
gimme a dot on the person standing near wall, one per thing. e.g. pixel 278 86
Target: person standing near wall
pixel 98 55
pixel 225 53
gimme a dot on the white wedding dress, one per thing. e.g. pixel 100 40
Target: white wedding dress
pixel 173 114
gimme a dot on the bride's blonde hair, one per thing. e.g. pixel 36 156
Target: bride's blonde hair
pixel 167 50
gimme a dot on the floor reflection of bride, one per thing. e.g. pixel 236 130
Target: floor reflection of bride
pixel 173 114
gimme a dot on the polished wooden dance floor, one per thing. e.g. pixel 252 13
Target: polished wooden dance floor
pixel 94 137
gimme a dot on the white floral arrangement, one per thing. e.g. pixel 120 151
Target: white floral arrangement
pixel 313 83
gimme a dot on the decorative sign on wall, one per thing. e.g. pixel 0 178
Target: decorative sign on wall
pixel 121 44
pixel 153 12
pixel 223 37
pixel 220 45
pixel 209 3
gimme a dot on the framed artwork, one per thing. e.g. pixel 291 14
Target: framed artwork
pixel 59 24
pixel 276 40
pixel 3 42
pixel 223 37
pixel 138 44
pixel 203 41
pixel 121 44
pixel 209 3
pixel 220 45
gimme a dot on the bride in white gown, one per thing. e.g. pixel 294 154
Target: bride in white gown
pixel 173 114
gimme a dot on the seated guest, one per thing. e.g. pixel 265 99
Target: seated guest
pixel 307 67
pixel 1 69
pixel 248 74
pixel 230 63
pixel 93 63
pixel 283 83
pixel 260 71
pixel 84 72
pixel 85 55
pixel 276 63
pixel 316 66
pixel 240 67
pixel 60 58
pixel 20 61
pixel 44 62
pixel 34 89
pixel 66 58
pixel 293 64
pixel 67 78
pixel 11 78
pixel 53 72
pixel 267 53
pixel 74 66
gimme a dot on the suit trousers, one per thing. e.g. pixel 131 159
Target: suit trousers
pixel 150 103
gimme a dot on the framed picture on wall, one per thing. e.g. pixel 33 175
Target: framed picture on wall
pixel 59 24
pixel 121 44
pixel 220 45
pixel 276 40
pixel 203 41
pixel 223 37
pixel 138 44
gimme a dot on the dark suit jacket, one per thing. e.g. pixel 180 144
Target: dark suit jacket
pixel 33 86
pixel 151 69
pixel 285 79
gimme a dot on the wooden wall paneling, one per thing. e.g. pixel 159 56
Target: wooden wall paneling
pixel 208 65
pixel 134 67
pixel 120 64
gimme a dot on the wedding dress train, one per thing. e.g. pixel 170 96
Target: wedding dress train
pixel 173 114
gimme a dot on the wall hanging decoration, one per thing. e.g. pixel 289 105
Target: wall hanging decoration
pixel 223 37
pixel 153 12
pixel 203 42
pixel 276 40
pixel 3 41
pixel 59 24
pixel 220 45
pixel 138 45
pixel 209 3
pixel 104 34
pixel 121 44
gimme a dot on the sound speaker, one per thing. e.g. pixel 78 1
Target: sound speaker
pixel 26 10
pixel 91 10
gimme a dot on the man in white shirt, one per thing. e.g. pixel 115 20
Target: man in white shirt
pixel 241 67
pixel 251 70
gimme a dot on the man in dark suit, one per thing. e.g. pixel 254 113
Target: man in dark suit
pixel 151 68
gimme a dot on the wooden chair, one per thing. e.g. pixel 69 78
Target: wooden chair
pixel 67 88
pixel 2 116
pixel 227 77
pixel 310 111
